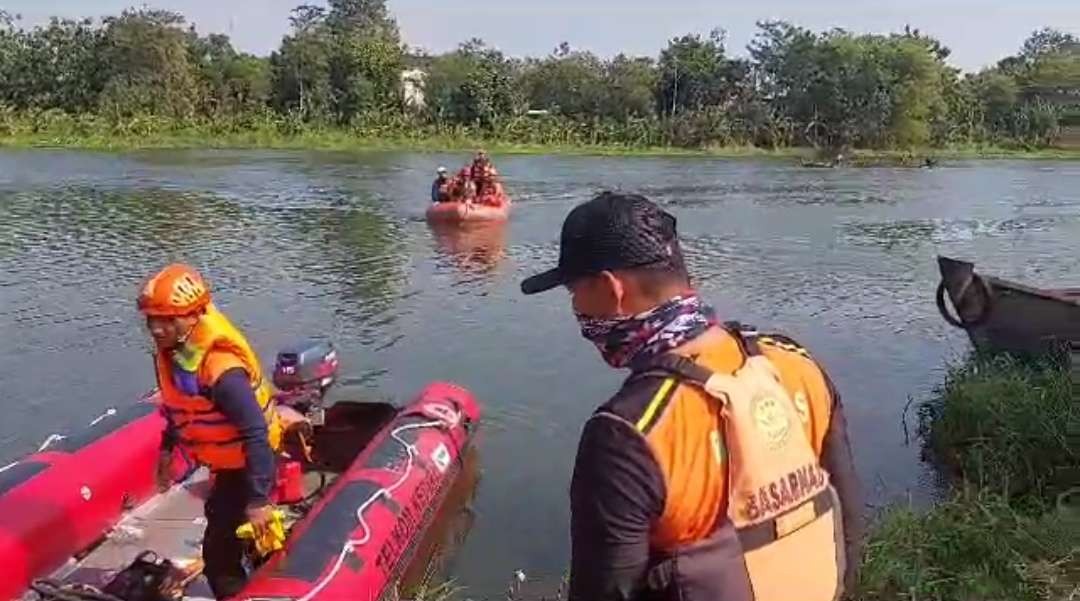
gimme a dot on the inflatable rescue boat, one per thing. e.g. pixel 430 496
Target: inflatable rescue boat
pixel 359 484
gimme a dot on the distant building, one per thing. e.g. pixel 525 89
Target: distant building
pixel 412 89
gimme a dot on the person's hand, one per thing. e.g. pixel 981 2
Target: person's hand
pixel 260 518
pixel 163 472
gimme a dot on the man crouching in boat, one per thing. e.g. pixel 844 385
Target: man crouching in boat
pixel 218 408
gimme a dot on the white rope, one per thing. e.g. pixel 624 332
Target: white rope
pixel 48 441
pixel 58 437
pixel 385 491
pixel 97 420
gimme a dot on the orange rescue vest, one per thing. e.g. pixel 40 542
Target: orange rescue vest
pixel 778 508
pixel 213 347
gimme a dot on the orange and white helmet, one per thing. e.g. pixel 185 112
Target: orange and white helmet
pixel 175 291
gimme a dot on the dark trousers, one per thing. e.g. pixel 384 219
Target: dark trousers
pixel 223 553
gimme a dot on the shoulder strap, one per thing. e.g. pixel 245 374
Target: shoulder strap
pixel 746 336
pixel 669 364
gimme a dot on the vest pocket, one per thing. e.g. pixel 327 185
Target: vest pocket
pixel 708 570
pixel 795 566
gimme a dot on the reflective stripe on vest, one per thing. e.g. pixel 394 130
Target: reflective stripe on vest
pixel 208 435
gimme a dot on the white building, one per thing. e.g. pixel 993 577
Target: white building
pixel 412 88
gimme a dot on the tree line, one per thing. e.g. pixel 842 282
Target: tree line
pixel 341 66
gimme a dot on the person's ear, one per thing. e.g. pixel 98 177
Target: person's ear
pixel 614 291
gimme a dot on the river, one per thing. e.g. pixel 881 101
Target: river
pixel 335 245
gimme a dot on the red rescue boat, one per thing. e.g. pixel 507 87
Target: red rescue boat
pixel 77 513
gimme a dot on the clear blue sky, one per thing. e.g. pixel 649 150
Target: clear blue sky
pixel 979 31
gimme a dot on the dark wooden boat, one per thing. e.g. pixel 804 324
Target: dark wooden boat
pixel 1000 315
pixel 819 164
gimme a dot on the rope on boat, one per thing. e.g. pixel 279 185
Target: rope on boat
pixel 49 441
pixel 449 420
pixel 54 438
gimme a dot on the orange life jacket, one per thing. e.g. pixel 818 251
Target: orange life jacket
pixel 213 347
pixel 735 527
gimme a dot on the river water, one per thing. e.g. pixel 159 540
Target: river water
pixel 335 245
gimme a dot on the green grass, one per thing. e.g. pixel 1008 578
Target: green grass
pixel 1006 425
pixel 52 129
pixel 973 547
pixel 1009 433
pixel 347 141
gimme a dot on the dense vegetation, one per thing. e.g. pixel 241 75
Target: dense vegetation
pixel 1007 430
pixel 340 69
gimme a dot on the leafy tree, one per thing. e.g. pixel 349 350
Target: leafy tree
pixel 234 83
pixel 147 66
pixel 341 64
pixel 630 83
pixel 301 67
pixel 570 83
pixel 695 73
pixel 1047 41
pixel 474 85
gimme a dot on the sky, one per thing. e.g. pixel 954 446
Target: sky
pixel 978 31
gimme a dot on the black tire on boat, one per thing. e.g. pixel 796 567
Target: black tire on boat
pixel 958 321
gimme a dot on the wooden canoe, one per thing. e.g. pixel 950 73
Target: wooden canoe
pixel 1000 315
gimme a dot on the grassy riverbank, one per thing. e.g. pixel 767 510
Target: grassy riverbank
pixel 140 134
pixel 1008 432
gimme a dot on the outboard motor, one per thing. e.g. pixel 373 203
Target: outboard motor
pixel 302 374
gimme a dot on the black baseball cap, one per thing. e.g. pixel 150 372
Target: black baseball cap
pixel 612 231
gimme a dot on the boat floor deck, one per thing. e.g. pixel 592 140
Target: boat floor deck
pixel 170 524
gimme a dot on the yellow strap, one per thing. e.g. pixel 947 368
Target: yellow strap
pixel 654 404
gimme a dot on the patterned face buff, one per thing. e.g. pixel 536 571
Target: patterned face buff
pixel 623 341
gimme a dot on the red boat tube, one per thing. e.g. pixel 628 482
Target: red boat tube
pixel 64 498
pixel 359 537
pixel 497 209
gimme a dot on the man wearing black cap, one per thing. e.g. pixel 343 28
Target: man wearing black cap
pixel 721 469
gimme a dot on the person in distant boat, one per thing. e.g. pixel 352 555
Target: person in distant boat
pixel 721 469
pixel 484 174
pixel 218 409
pixel 440 188
pixel 464 188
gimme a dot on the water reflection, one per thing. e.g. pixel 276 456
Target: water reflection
pixel 356 252
pixel 474 249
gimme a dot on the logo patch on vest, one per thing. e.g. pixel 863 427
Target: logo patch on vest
pixel 784 493
pixel 802 406
pixel 771 420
